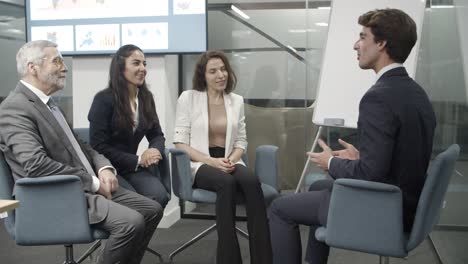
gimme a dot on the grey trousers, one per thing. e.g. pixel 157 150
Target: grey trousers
pixel 288 212
pixel 131 222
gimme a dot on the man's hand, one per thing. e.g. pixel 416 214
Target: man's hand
pixel 149 157
pixel 349 151
pixel 321 159
pixel 108 183
pixel 222 164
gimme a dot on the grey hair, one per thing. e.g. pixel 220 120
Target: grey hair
pixel 31 52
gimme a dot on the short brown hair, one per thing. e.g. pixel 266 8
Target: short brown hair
pixel 199 81
pixel 393 26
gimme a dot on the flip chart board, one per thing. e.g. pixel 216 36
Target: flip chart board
pixel 342 83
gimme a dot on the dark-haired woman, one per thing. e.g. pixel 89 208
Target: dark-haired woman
pixel 210 126
pixel 120 116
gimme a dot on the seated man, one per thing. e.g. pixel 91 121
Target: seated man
pixel 395 128
pixel 37 141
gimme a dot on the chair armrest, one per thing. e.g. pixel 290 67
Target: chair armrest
pixel 266 164
pixel 165 171
pixel 181 174
pixel 53 210
pixel 366 216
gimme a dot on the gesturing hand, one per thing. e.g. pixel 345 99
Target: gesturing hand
pixel 349 151
pixel 321 158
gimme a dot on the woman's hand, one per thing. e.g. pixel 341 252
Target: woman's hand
pixel 222 164
pixel 149 157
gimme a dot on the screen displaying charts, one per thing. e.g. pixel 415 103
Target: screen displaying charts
pixel 84 27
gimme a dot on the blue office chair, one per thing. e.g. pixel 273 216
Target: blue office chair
pixel 53 211
pixel 367 216
pixel 83 134
pixel 265 169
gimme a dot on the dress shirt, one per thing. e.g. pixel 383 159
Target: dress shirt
pixel 136 116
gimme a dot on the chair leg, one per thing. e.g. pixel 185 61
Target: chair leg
pixel 192 241
pixel 242 233
pixel 384 260
pixel 435 251
pixel 69 255
pixel 90 251
pixel 155 253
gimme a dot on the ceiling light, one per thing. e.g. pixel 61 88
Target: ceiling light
pixel 239 12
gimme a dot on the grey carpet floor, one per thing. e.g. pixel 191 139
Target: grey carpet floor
pixel 453 247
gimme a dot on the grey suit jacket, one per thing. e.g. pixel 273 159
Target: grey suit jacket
pixel 35 145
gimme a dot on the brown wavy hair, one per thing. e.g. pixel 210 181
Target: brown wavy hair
pixel 199 81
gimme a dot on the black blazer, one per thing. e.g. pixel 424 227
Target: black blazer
pixel 395 129
pixel 120 147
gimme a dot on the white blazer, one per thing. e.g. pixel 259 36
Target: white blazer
pixel 191 125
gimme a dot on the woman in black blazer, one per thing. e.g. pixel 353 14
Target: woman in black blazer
pixel 120 116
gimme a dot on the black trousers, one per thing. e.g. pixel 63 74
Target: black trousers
pixel 288 212
pixel 240 182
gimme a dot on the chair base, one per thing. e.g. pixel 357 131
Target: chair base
pixel 98 243
pixel 434 250
pixel 69 255
pixel 384 260
pixel 203 234
pixel 88 252
pixel 161 259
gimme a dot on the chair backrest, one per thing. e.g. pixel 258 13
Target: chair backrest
pixel 6 180
pixel 82 133
pixel 432 195
pixel 6 192
pixel 181 174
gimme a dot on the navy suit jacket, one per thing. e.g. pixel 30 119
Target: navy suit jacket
pixel 120 147
pixel 395 129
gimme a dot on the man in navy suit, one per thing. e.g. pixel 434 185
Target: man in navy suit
pixel 395 129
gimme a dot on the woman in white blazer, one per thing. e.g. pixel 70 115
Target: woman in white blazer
pixel 210 126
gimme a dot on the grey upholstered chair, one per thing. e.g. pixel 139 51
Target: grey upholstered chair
pixel 367 216
pixel 53 211
pixel 265 169
pixel 83 134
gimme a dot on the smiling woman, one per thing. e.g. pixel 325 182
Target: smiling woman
pixel 120 116
pixel 210 126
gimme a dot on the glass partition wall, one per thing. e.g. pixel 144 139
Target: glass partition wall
pixel 443 71
pixel 12 37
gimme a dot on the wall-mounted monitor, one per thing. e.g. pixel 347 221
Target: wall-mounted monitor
pixel 85 27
